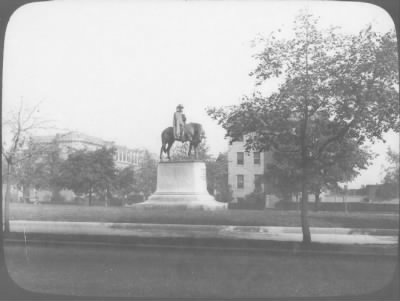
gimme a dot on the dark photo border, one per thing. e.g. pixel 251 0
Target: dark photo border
pixel 9 290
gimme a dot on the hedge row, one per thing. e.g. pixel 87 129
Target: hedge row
pixel 351 206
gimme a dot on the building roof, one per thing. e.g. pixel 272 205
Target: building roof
pixel 75 136
pixel 81 137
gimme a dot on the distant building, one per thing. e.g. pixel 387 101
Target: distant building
pixel 246 171
pixel 73 141
pixel 125 156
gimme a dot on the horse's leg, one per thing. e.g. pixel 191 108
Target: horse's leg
pixel 195 152
pixel 161 151
pixel 168 148
pixel 190 149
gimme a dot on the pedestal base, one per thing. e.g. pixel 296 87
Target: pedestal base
pixel 182 185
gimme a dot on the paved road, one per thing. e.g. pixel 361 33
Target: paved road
pixel 322 235
pixel 185 272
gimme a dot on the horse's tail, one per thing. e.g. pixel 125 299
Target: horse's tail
pixel 164 141
pixel 202 133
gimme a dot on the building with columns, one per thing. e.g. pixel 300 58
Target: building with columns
pixel 73 141
pixel 125 156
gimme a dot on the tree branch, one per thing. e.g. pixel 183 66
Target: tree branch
pixel 333 138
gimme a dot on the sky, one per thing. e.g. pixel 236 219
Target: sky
pixel 117 69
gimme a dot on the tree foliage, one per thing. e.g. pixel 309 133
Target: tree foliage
pixel 146 175
pixel 88 172
pixel 390 186
pixel 392 171
pixel 336 92
pixel 180 151
pixel 39 168
pixel 217 178
pixel 124 182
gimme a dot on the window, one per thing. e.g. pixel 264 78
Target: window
pixel 240 181
pixel 240 158
pixel 257 158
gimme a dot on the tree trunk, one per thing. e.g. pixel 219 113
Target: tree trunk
pixel 106 199
pixel 55 195
pixel 304 185
pixel 317 204
pixel 305 156
pixel 90 197
pixel 304 214
pixel 7 202
pixel 26 193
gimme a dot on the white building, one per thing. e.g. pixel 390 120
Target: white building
pixel 73 141
pixel 246 172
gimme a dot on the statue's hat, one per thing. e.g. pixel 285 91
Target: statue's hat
pixel 179 106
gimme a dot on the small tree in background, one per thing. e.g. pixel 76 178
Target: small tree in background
pixel 17 127
pixel 217 178
pixel 39 169
pixel 146 175
pixel 124 182
pixel 390 188
pixel 89 173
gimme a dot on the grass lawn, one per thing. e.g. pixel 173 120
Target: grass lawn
pixel 266 217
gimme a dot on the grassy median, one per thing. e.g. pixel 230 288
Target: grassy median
pixel 268 217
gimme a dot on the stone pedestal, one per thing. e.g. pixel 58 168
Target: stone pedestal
pixel 182 184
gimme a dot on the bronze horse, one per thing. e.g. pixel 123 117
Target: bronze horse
pixel 193 133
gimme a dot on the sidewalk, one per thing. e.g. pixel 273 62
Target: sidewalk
pixel 343 236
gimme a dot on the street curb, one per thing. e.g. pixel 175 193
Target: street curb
pixel 225 245
pixel 272 229
pixel 287 239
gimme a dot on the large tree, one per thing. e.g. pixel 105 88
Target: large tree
pixel 333 87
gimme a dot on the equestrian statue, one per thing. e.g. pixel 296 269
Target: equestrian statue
pixel 183 132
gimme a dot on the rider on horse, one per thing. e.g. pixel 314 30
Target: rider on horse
pixel 179 123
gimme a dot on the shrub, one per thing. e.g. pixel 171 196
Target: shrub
pixel 135 198
pixel 255 200
pixel 116 202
